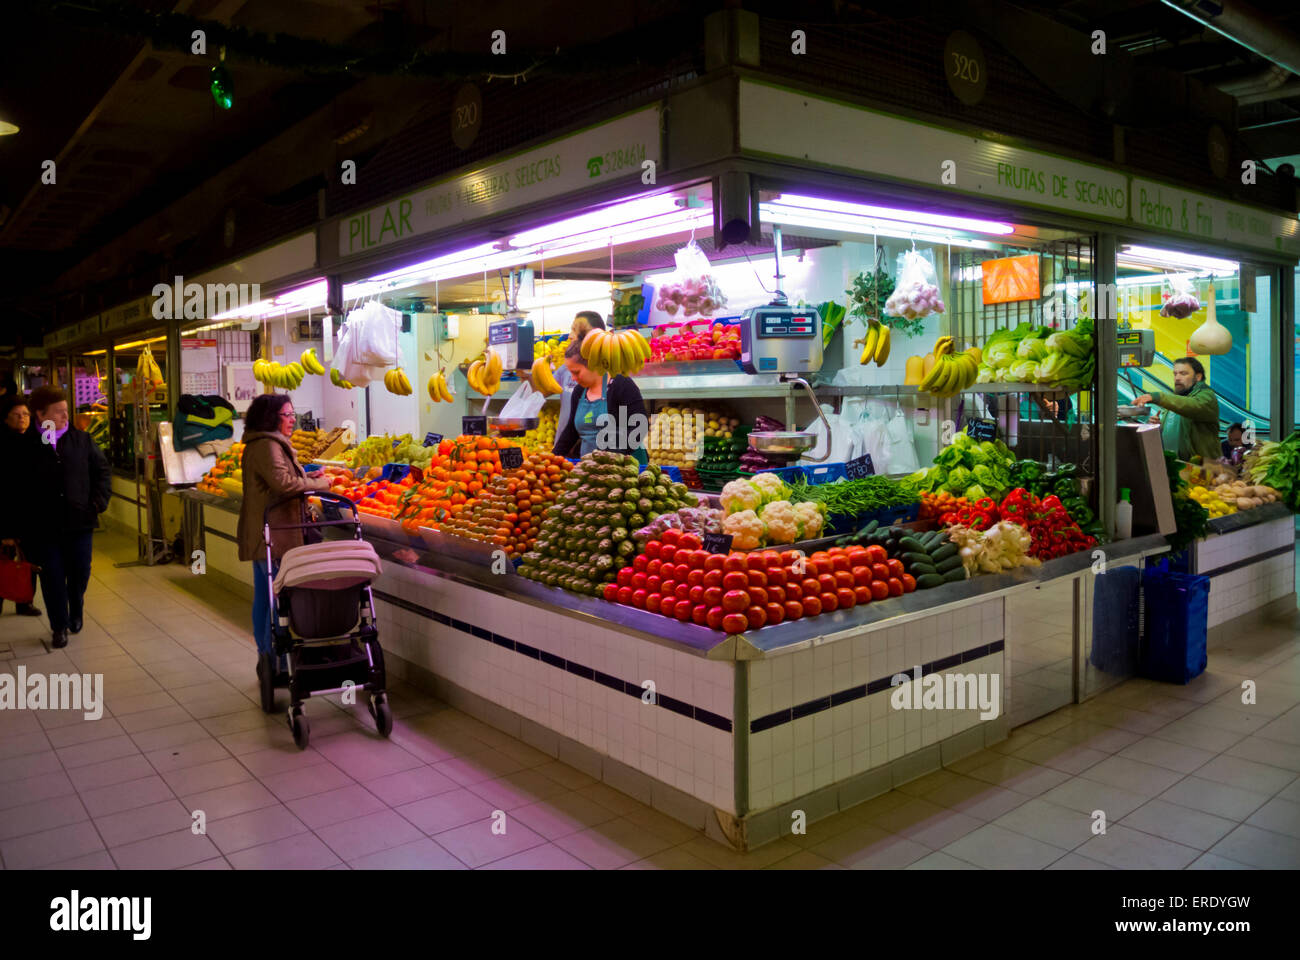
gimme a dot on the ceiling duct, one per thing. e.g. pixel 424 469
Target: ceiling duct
pixel 1244 25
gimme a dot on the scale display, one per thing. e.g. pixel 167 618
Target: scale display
pixel 513 340
pixel 780 339
pixel 1137 348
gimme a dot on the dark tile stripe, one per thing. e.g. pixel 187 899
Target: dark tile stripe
pixel 1257 558
pixel 219 534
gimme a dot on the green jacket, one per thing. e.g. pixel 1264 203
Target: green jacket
pixel 1191 423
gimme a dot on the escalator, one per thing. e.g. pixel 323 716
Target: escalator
pixel 1134 382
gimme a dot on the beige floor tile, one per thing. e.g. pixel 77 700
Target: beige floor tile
pixel 941 861
pixel 331 806
pixel 33 741
pixel 996 848
pixel 1167 754
pixel 407 785
pixel 103 801
pixel 301 852
pixel 50 846
pixel 1245 774
pixel 1220 799
pixel 1049 822
pixel 111 771
pixel 1134 776
pixel 1192 828
pixel 417 855
pixel 446 811
pixel 353 839
pixel 218 706
pixel 271 734
pixel 1212 861
pixel 975 798
pixel 567 813
pixel 15 793
pixel 86 732
pixel 184 755
pixel 1060 755
pixel 805 860
pixel 365 756
pixel 475 768
pixel 228 801
pixel 305 782
pixel 1258 848
pixel 152 719
pixel 560 772
pixel 515 790
pixel 1086 795
pixel 85 754
pixel 254 828
pixel 1271 752
pixel 546 856
pixel 264 764
pixel 1012 773
pixel 176 735
pixel 475 844
pixel 1195 735
pixel 1072 861
pixel 137 823
pixel 99 860
pixel 41 815
pixel 251 719
pixel 1292 792
pixel 610 798
pixel 617 843
pixel 1279 816
pixel 216 863
pixel 145 701
pixel 674 858
pixel 1223 718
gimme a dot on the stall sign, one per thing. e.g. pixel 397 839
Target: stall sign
pixel 473 426
pixel 1198 216
pixel 1010 279
pixel 977 428
pixel 432 439
pixel 512 458
pixel 717 542
pixel 860 467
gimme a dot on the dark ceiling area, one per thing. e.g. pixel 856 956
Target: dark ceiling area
pixel 151 175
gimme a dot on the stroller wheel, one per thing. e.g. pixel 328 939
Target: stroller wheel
pixel 266 682
pixel 382 713
pixel 299 726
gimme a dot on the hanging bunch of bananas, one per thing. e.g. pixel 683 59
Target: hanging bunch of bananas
pixel 276 374
pixel 397 382
pixel 336 378
pixel 542 379
pixel 615 352
pixel 311 364
pixel 952 372
pixel 148 377
pixel 875 345
pixel 438 389
pixel 485 375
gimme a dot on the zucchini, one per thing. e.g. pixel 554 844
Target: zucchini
pixel 944 566
pixel 912 544
pixel 952 576
pixel 929 580
pixel 944 552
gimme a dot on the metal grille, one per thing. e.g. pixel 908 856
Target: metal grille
pixel 234 346
pixel 1032 421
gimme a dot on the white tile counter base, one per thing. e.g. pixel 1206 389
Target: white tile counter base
pixel 1241 591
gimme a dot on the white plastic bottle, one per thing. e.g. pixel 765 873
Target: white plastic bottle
pixel 1123 516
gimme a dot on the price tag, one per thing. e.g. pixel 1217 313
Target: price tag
pixel 512 458
pixel 432 439
pixel 717 542
pixel 473 426
pixel 978 428
pixel 860 467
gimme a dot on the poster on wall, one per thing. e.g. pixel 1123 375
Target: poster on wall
pixel 241 388
pixel 200 367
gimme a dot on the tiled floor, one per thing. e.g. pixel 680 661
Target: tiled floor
pixel 1186 777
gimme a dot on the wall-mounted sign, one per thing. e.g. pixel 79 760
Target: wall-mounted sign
pixel 466 115
pixel 964 67
pixel 1186 213
pixel 126 315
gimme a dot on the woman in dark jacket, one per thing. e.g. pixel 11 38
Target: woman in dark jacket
pixel 604 413
pixel 15 419
pixel 69 485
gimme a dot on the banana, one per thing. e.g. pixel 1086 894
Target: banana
pixel 473 374
pixel 976 354
pixel 869 348
pixel 942 346
pixel 592 338
pixel 335 377
pixel 309 362
pixel 443 388
pixel 432 386
pixel 542 380
pixel 927 384
pixel 406 384
pixel 882 346
pixel 494 367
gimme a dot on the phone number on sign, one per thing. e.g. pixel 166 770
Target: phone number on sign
pixel 621 159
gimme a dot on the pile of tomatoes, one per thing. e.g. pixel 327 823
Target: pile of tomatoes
pixel 510 510
pixel 739 591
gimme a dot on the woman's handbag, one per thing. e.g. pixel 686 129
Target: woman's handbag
pixel 17 577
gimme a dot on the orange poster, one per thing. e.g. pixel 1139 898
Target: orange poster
pixel 1011 279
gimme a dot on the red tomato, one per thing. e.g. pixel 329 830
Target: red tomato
pixel 624 594
pixel 684 610
pixel 862 594
pixel 775 593
pixel 683 591
pixel 654 566
pixel 639 563
pixel 879 571
pixel 861 576
pixel 715 616
pixel 712 578
pixel 713 596
pixel 771 558
pixel 793 591
pixel 754 561
pixel 756 616
pixel 735 562
pixel 788 557
pixel 682 571
pixel 691 541
pixel 652 602
pixel 825 565
pixel 829 602
pixel 895 568
pixel 775 613
pixel 734 601
pixel 877 553
pixel 625 577
pixel 810 586
pixel 793 609
pixel 826 583
pixel 668 587
pixel 879 590
pixel 843 579
pixel 667 552
pixel 858 556
pixel 652 583
pixel 735 623
pixel 845 597
pixel 757 578
pixel 695 593
pixel 812 606
pixel 611 592
pixel 639 598
pixel 652 549
pixel 637 580
pixel 695 577
pixel 671 536
pixel 758 596
pixel 819 555
pixel 840 562
pixel 895 587
pixel 909 582
pixel 715 561
pixel 700 614
pixel 776 576
pixel 735 581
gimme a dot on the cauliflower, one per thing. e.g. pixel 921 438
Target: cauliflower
pixel 746 530
pixel 810 519
pixel 781 522
pixel 740 495
pixel 771 487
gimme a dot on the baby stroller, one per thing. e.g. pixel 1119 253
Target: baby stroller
pixel 323 618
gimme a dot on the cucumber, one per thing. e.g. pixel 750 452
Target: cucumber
pixel 921 569
pixel 917 557
pixel 912 544
pixel 869 528
pixel 952 576
pixel 937 539
pixel 944 552
pixel 945 566
pixel 929 580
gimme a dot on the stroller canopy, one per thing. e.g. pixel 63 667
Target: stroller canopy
pixel 332 565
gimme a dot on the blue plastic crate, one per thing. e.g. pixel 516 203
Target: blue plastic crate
pixel 885 517
pixel 811 473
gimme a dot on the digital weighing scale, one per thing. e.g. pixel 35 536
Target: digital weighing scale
pixel 1137 348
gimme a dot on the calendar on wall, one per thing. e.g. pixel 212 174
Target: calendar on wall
pixel 200 366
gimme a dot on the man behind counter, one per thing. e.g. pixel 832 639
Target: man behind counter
pixel 1191 418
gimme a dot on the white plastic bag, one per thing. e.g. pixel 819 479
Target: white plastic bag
pixel 900 445
pixel 524 404
pixel 916 292
pixel 691 290
pixel 1180 299
pixel 377 343
pixel 875 437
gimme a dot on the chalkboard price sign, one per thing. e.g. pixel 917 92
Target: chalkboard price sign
pixel 717 542
pixel 432 439
pixel 473 426
pixel 512 458
pixel 860 467
pixel 978 428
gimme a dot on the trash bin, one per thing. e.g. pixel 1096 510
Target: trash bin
pixel 1175 614
pixel 1116 630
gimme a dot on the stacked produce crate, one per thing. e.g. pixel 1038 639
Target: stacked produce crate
pixel 720 462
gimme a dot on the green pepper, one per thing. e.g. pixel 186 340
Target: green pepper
pixel 1067 470
pixel 1066 488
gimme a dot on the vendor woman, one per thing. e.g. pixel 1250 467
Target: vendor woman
pixel 605 412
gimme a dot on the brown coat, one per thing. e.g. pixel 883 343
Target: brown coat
pixel 271 470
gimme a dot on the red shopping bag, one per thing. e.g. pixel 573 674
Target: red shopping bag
pixel 17 578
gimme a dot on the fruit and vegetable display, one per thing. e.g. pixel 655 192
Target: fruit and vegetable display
pixel 225 477
pixel 586 536
pixel 719 461
pixel 1276 464
pixel 832 315
pixel 1003 546
pixel 697 520
pixel 485 375
pixel 943 372
pixel 868 294
pixel 693 296
pixel 148 381
pixel 737 592
pixel 336 378
pixel 675 435
pixel 874 343
pixel 346 483
pixel 969 468
pixel 929 557
pixel 751 460
pixel 508 513
pixel 758 511
pixel 552 349
pixel 684 342
pixel 310 363
pixel 311 445
pixel 626 309
pixel 851 499
pixel 276 374
pixel 1220 491
pixel 1030 354
pixel 541 439
pixel 378 450
pixel 1190 518
pixel 615 352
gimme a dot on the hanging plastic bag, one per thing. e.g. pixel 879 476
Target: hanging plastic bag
pixel 691 290
pixel 1180 299
pixel 900 445
pixel 377 345
pixel 916 293
pixel 524 404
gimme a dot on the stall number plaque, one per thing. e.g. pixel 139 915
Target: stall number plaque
pixel 512 458
pixel 717 542
pixel 964 67
pixel 978 428
pixel 432 439
pixel 860 467
pixel 473 426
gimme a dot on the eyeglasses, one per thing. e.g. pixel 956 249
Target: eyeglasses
pixel 288 416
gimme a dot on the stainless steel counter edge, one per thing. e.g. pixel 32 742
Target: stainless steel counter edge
pixel 1249 518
